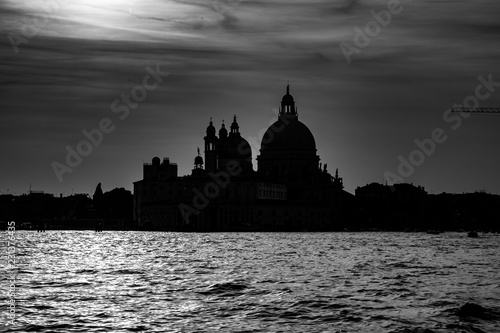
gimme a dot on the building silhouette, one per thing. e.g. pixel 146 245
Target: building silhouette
pixel 401 207
pixel 288 191
pixel 75 212
pixel 396 207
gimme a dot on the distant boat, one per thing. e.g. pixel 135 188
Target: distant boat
pixel 472 234
pixel 434 232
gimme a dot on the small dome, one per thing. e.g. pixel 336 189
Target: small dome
pixel 198 160
pixel 240 148
pixel 287 99
pixel 223 131
pixel 156 161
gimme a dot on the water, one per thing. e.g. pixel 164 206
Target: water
pixel 82 281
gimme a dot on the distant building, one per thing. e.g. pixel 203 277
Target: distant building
pixel 77 211
pixel 467 211
pixel 405 206
pixel 289 190
pixel 393 207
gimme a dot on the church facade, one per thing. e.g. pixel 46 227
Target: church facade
pixel 289 191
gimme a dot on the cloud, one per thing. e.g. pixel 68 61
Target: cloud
pixel 238 60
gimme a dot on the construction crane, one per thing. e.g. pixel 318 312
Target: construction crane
pixel 475 110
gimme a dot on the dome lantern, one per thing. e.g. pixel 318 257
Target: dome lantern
pixel 235 127
pixel 288 104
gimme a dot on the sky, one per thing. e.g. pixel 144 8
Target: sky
pixel 367 89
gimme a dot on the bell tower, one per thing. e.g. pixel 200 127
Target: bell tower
pixel 211 148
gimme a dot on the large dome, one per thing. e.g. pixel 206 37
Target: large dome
pixel 288 148
pixel 288 134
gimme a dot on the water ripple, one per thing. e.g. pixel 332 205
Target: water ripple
pixel 81 281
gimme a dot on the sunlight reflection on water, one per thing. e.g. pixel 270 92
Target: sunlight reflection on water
pixel 81 281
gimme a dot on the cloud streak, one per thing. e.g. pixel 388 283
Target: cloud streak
pixel 396 89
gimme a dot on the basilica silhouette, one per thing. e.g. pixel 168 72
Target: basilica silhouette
pixel 289 191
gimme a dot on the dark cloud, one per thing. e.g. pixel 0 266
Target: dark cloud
pixel 235 57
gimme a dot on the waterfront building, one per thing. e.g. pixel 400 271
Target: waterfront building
pixel 290 190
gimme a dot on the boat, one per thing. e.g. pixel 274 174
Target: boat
pixel 472 234
pixel 434 232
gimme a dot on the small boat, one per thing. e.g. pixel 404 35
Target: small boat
pixel 472 234
pixel 433 232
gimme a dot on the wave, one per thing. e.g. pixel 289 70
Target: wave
pixel 225 288
pixel 477 311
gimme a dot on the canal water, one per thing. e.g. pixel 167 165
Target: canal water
pixel 83 281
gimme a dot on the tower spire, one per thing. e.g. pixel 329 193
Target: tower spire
pixel 211 148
